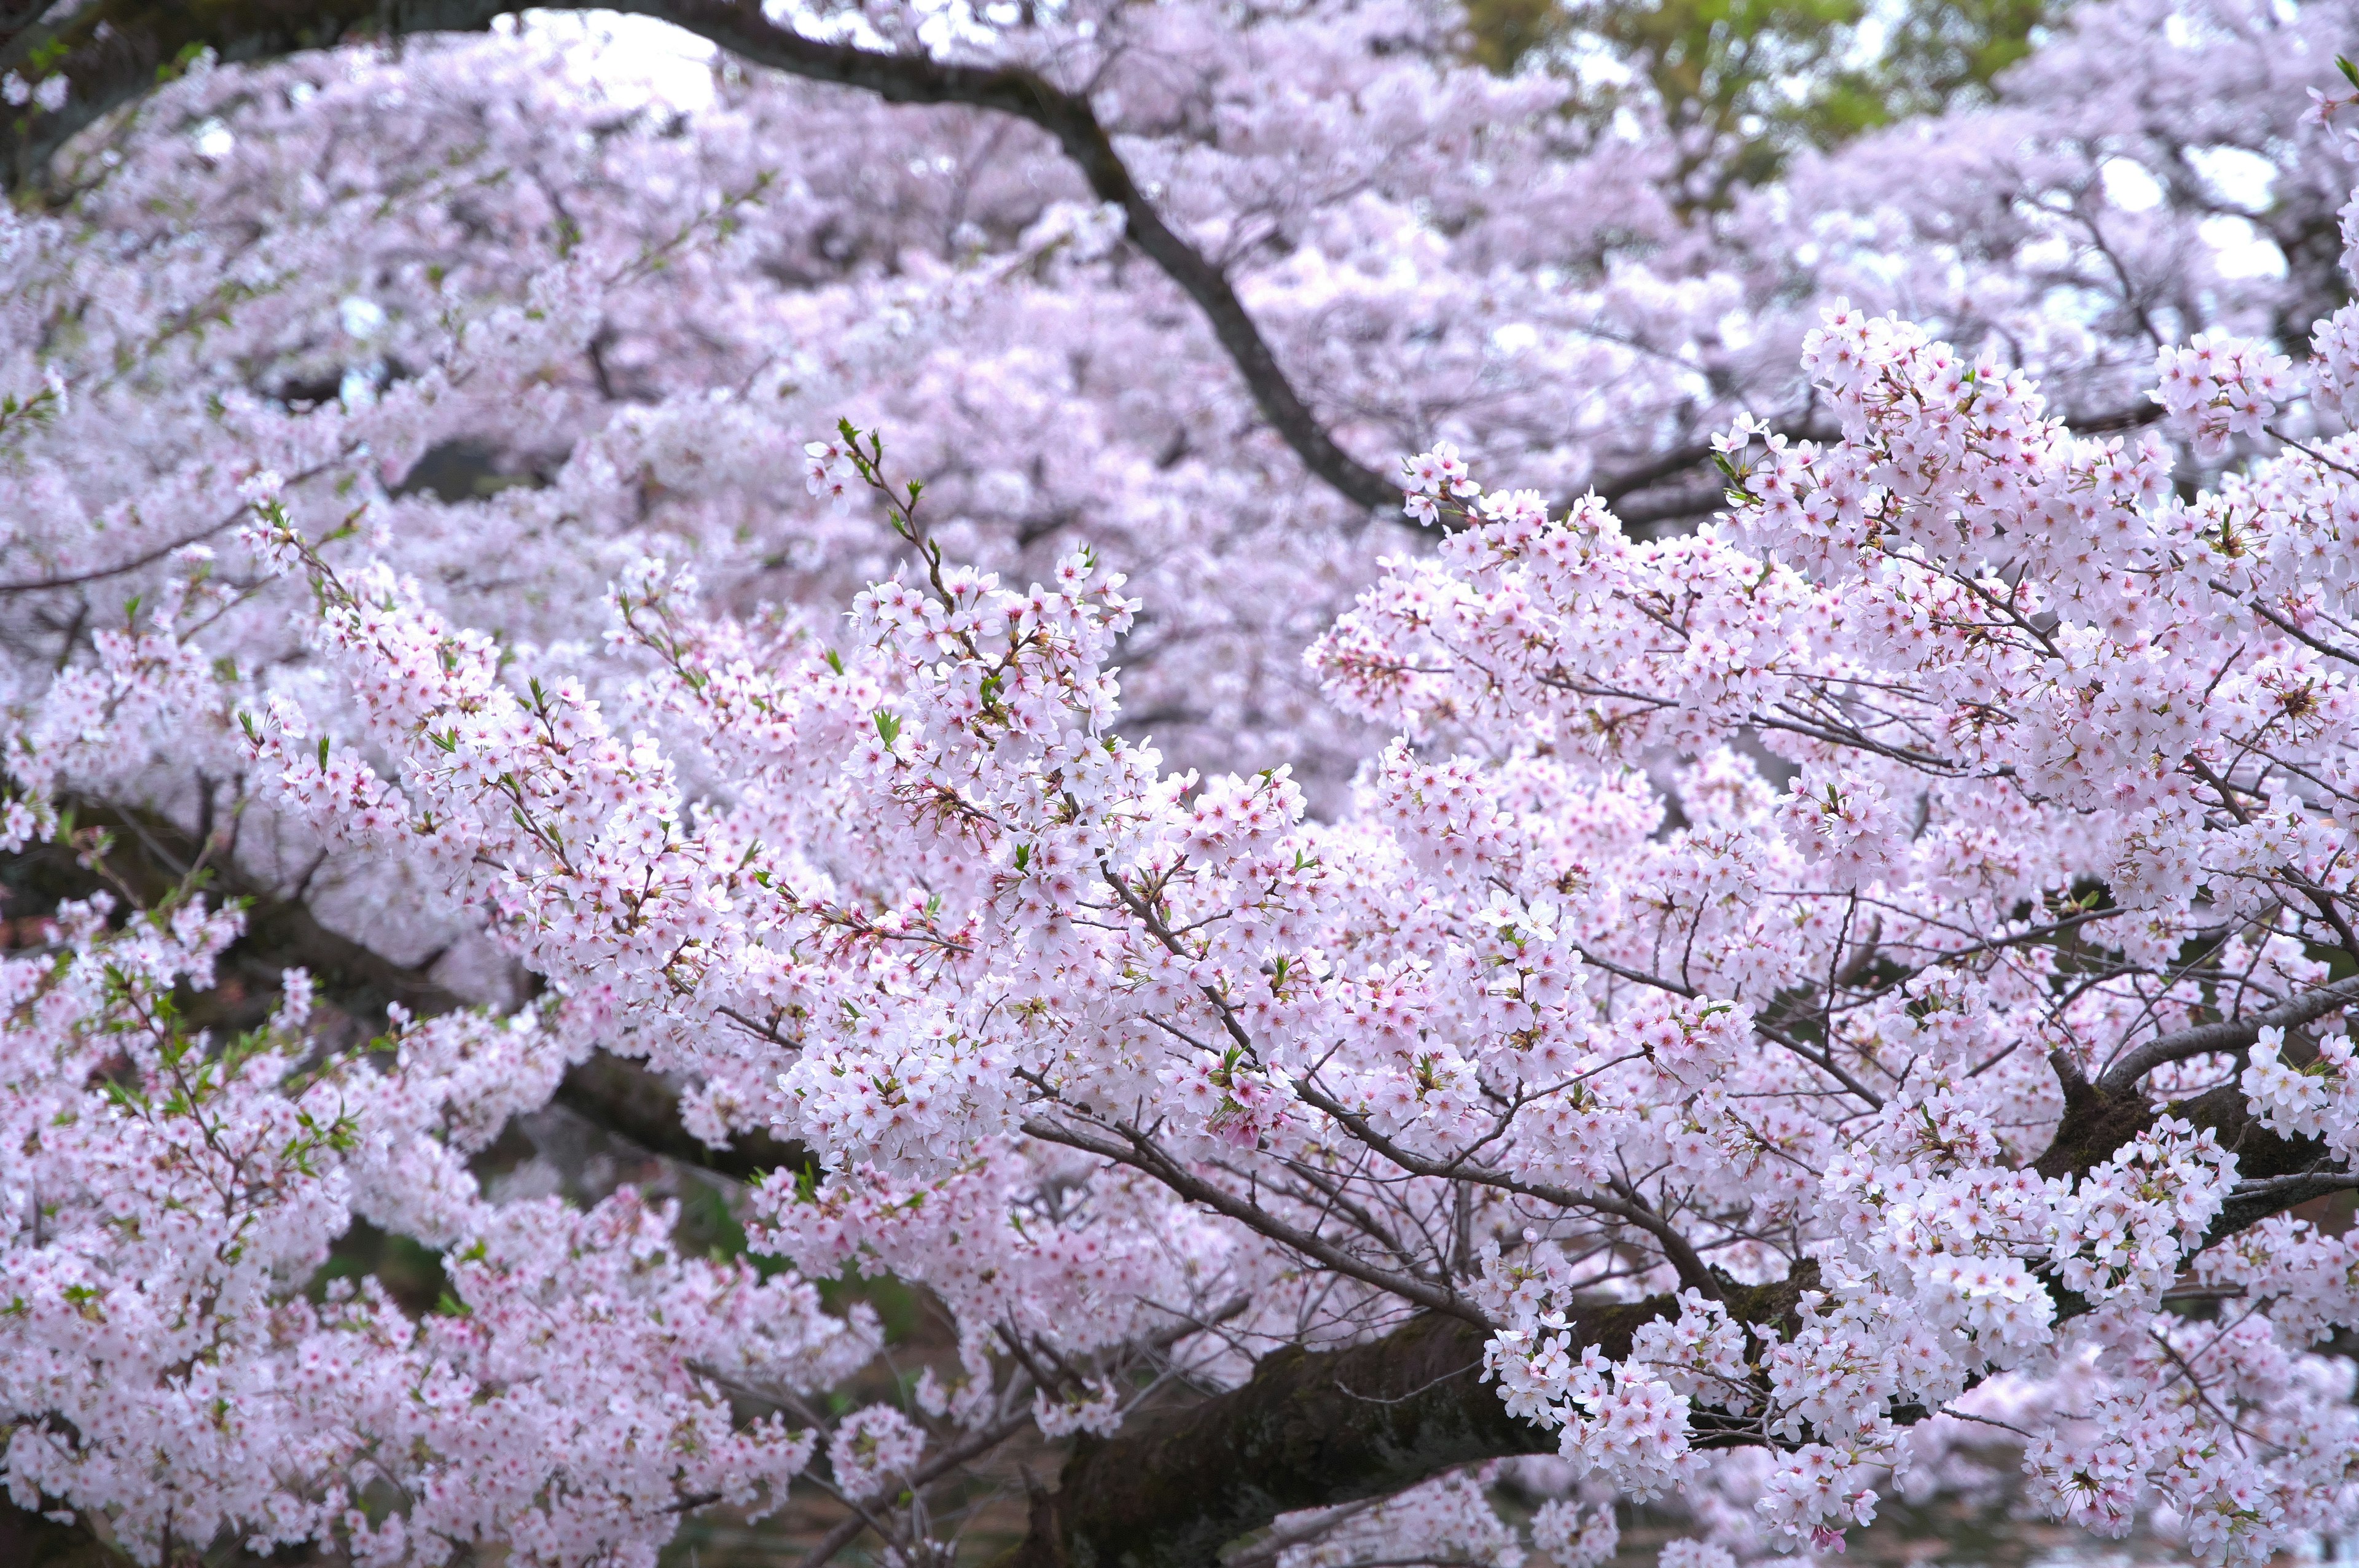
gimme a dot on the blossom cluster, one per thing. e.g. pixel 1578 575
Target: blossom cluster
pixel 168 1203
pixel 1780 985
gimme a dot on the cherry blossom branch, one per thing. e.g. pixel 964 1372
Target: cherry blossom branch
pixel 1141 1153
pixel 1306 1430
pixel 1310 1429
pixel 2228 1034
pixel 152 856
pixel 1267 1550
pixel 149 558
pixel 1625 1205
pixel 971 1447
pixel 113 51
pixel 2288 627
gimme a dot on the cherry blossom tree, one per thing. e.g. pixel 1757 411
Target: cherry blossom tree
pixel 529 584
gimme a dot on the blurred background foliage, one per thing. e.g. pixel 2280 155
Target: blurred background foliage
pixel 1748 83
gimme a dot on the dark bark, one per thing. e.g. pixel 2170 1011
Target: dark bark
pixel 31 1541
pixel 2094 1124
pixel 2098 1122
pixel 622 1098
pixel 1312 1428
pixel 113 51
pixel 1308 1429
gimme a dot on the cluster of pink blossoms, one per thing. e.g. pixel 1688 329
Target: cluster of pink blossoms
pixel 1503 981
pixel 1796 995
pixel 166 1200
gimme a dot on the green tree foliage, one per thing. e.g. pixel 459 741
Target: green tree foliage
pixel 1751 81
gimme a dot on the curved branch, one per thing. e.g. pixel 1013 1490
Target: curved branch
pixel 2251 1202
pixel 2230 1035
pixel 1637 496
pixel 1671 506
pixel 1067 116
pixel 1314 1429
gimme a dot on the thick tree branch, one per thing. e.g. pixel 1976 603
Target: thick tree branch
pixel 621 1097
pixel 1067 117
pixel 150 858
pixel 1308 1429
pixel 1314 1429
pixel 1642 494
pixel 1671 505
pixel 30 1540
pixel 33 1541
pixel 113 51
pixel 2229 1034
